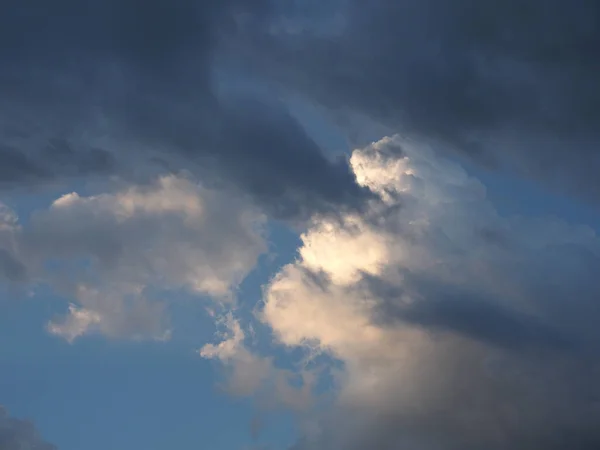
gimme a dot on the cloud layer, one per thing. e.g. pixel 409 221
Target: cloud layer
pixel 456 327
pixel 510 85
pixel 95 88
pixel 119 86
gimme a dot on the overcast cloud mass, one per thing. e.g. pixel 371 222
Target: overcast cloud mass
pixel 414 314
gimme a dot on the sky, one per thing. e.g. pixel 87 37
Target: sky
pixel 299 225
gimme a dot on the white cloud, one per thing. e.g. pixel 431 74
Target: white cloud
pixel 457 328
pixel 117 256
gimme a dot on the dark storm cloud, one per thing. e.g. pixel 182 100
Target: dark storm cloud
pixel 19 434
pixel 120 85
pixel 511 83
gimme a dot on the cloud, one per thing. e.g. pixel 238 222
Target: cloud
pixel 117 255
pixel 11 269
pixel 19 434
pixel 96 88
pixel 456 327
pixel 510 85
pixel 251 374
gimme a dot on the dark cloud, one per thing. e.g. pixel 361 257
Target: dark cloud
pixel 510 84
pixel 19 434
pixel 10 267
pixel 448 309
pixel 95 87
pixel 56 156
pixel 514 367
pixel 493 376
pixel 486 322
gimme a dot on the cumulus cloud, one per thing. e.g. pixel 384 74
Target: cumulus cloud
pixel 457 328
pixel 129 87
pixel 20 434
pixel 117 255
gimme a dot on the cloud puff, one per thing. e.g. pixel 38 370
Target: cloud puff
pixel 251 374
pixel 19 434
pixel 117 255
pixel 510 84
pixel 102 87
pixel 456 327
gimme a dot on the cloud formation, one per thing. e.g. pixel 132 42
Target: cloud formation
pixel 117 255
pixel 101 87
pixel 120 86
pixel 19 434
pixel 457 328
pixel 511 84
pixel 251 374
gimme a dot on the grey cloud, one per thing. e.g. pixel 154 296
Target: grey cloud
pixel 445 308
pixel 17 166
pixel 509 84
pixel 302 172
pixel 512 85
pixel 20 434
pixel 123 84
pixel 57 156
pixel 484 327
pixel 516 367
pixel 487 322
pixel 10 267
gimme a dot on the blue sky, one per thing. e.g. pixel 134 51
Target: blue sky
pixel 281 225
